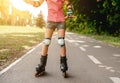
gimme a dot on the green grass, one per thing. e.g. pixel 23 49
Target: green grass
pixel 108 39
pixel 16 40
pixel 115 41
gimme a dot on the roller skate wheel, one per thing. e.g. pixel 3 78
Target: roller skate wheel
pixel 64 74
pixel 37 74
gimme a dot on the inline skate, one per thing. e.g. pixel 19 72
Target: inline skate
pixel 40 69
pixel 63 66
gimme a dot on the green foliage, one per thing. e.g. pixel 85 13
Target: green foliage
pixel 81 24
pixel 111 9
pixel 96 17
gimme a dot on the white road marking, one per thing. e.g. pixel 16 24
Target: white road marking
pixel 97 46
pixel 115 79
pixel 74 41
pixel 112 70
pixel 18 60
pixel 83 49
pixel 102 66
pixel 80 41
pixel 108 68
pixel 6 69
pixel 85 45
pixel 76 44
pixel 82 37
pixel 116 55
pixel 94 60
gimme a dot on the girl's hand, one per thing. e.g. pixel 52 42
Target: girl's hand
pixel 34 3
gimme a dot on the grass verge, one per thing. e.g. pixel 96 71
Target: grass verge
pixel 15 41
pixel 115 41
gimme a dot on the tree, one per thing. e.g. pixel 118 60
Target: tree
pixel 104 14
pixel 40 22
pixel 9 15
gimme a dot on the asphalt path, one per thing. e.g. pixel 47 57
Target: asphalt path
pixel 89 61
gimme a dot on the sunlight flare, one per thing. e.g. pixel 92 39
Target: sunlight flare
pixel 21 5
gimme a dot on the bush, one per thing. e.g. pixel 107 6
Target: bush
pixel 81 24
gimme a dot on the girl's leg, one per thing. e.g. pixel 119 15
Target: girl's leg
pixel 63 58
pixel 40 69
pixel 61 34
pixel 48 35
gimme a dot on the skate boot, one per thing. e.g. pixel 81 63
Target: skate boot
pixel 40 69
pixel 63 66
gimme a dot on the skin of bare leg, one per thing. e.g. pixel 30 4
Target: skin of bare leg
pixel 61 33
pixel 48 34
